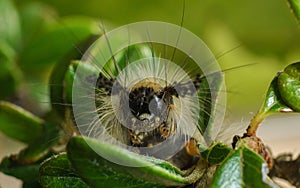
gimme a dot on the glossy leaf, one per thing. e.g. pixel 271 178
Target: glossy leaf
pixel 273 102
pixel 289 86
pixel 243 168
pixel 99 172
pixel 20 124
pixel 282 96
pixel 58 172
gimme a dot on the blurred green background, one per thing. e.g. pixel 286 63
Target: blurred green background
pixel 264 32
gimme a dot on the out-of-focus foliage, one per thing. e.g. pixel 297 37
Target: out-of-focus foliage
pixel 9 42
pixel 32 40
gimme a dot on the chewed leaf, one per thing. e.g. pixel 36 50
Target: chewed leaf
pixel 19 124
pixel 243 168
pixel 97 171
pixel 58 172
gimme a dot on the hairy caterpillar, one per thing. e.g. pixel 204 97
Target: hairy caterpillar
pixel 152 104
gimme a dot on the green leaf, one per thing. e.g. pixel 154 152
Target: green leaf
pixel 62 76
pixel 58 172
pixel 129 54
pixel 283 96
pixel 243 168
pixel 205 107
pixel 9 24
pixel 9 73
pixel 35 18
pixel 99 172
pixel 25 172
pixel 35 184
pixel 25 165
pixel 273 102
pixel 289 86
pixel 210 92
pixel 19 124
pixel 283 93
pixel 34 152
pixel 216 153
pixel 69 79
pixel 295 7
pixel 56 42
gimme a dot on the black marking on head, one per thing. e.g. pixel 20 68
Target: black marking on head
pixel 185 89
pixel 104 83
pixel 197 81
pixel 140 99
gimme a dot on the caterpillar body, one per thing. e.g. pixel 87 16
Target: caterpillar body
pixel 150 93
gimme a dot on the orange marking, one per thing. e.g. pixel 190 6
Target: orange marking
pixel 192 148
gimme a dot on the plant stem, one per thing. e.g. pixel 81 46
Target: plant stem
pixel 254 124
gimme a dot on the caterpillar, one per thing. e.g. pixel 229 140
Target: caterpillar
pixel 150 87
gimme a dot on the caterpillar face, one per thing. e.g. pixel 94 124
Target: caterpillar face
pixel 149 93
pixel 150 105
pixel 148 120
